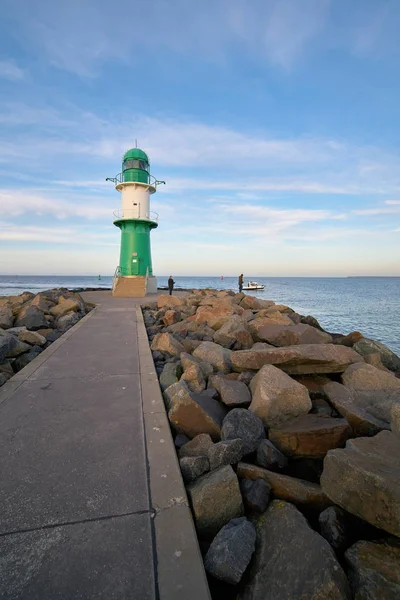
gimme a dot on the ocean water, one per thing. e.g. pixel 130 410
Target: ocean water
pixel 367 304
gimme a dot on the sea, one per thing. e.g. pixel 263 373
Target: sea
pixel 341 305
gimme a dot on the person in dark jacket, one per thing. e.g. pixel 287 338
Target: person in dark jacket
pixel 171 283
pixel 240 282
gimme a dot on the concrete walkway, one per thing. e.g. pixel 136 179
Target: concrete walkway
pixel 92 503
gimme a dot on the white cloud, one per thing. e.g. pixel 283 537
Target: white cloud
pixel 14 203
pixel 9 70
pixel 396 202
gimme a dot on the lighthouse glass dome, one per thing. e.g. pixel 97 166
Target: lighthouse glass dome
pixel 135 166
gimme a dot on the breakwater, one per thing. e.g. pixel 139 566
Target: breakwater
pixel 288 438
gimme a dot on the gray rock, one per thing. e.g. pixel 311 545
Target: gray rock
pixel 215 499
pixel 32 318
pixel 241 423
pixel 270 457
pixel 198 446
pixel 6 317
pixel 225 453
pixel 231 550
pixel 170 374
pixel 193 466
pixel 374 570
pixel 23 360
pixel 217 356
pixel 305 567
pixel 389 359
pixel 234 393
pixel 180 440
pixel 16 330
pixel 19 348
pixel 395 419
pixel 246 377
pixel 333 523
pixel 7 344
pixel 67 321
pixel 175 391
pixel 255 493
pixel 3 378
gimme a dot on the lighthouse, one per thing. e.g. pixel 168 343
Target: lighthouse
pixel 134 274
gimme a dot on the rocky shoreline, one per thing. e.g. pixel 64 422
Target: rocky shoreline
pixel 288 439
pixel 29 323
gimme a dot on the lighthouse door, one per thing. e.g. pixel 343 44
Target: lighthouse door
pixel 135 264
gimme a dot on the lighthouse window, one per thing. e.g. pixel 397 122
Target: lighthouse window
pixel 135 164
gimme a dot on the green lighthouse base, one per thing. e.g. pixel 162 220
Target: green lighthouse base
pixel 134 286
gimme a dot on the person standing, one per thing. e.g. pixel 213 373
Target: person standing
pixel 240 283
pixel 171 283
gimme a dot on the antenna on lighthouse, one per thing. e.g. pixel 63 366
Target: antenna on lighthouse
pixel 135 143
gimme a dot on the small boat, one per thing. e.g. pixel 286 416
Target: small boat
pixel 253 285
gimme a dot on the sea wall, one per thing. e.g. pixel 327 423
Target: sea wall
pixel 29 323
pixel 288 438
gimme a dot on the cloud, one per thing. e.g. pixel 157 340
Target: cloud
pixel 14 204
pixel 9 70
pixel 56 235
pixel 393 202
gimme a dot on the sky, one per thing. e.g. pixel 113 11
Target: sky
pixel 275 124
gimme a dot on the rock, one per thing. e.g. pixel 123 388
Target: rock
pixel 304 359
pixel 241 423
pixel 17 330
pixel 193 466
pixel 358 408
pixel 395 418
pixel 214 316
pixel 166 343
pixel 194 377
pixel 32 318
pixel 67 321
pixel 228 452
pixel 364 479
pixel 374 571
pixel 171 317
pixel 32 337
pixel 255 494
pixel 23 360
pixel 216 356
pixel 3 378
pixel 250 302
pixel 176 390
pixel 270 457
pixel 334 525
pixel 310 436
pixel 64 307
pixel 261 346
pixel 311 321
pixel 245 377
pixel 215 499
pixel 6 369
pixel 276 397
pixel 292 335
pixel 170 375
pixel 257 326
pixel 19 348
pixel 167 301
pixel 234 332
pixel 389 359
pixel 298 491
pixel 192 414
pixel 366 377
pixel 234 393
pixel 187 361
pixel 7 343
pixel 180 440
pixel 41 302
pixel 198 446
pixel 231 550
pixel 351 338
pixel 6 317
pixel 304 568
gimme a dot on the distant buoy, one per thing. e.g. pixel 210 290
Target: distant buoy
pixel 222 277
pixel 99 277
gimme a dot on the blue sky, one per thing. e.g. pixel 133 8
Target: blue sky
pixel 274 122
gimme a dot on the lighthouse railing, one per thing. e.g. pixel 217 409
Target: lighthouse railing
pixel 115 278
pixel 128 213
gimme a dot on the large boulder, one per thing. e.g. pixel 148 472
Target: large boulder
pixel 367 377
pixel 299 491
pixel 7 344
pixel 292 335
pixel 255 493
pixel 256 326
pixel 395 419
pixel 6 317
pixel 389 359
pixel 310 436
pixel 337 527
pixel 194 377
pixel 374 570
pixel 228 452
pixel 192 414
pixel 167 301
pixel 234 393
pixel 215 355
pixel 214 316
pixel 32 338
pixel 241 423
pixel 231 550
pixel 65 306
pixel 67 321
pixel 32 318
pixel 270 457
pixel 215 499
pixel 171 317
pixel 292 561
pixel 234 332
pixel 364 479
pixel 187 360
pixel 193 466
pixel 165 342
pixel 24 359
pixel 170 374
pixel 298 360
pixel 276 397
pixel 41 302
pixel 198 446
